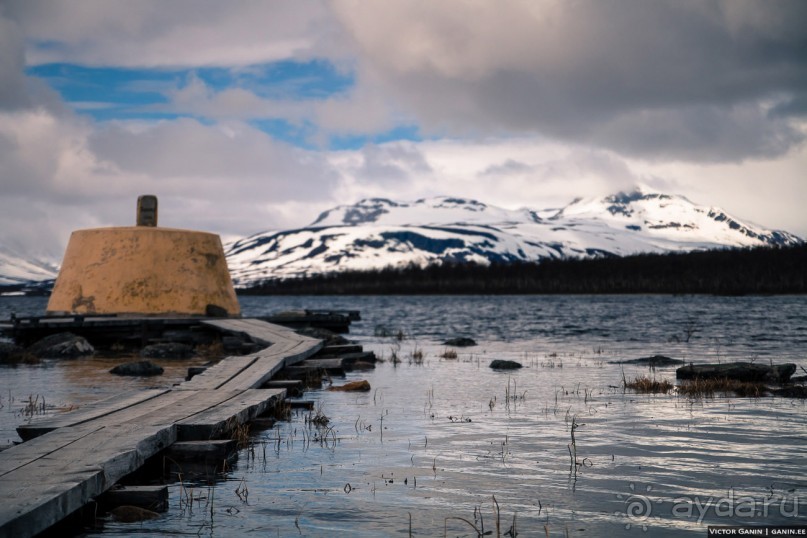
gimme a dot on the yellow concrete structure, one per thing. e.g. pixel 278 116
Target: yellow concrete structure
pixel 144 270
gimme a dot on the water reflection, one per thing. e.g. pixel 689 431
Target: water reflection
pixel 437 441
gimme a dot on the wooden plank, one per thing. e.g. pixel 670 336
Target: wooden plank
pixel 149 497
pixel 268 365
pixel 287 384
pixel 218 374
pixel 51 486
pixel 239 410
pixel 39 426
pixel 341 349
pixel 201 451
pixel 332 366
pixel 23 514
pixel 159 411
pixel 31 452
pixel 261 331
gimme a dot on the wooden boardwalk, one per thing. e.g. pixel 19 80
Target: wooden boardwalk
pixel 72 458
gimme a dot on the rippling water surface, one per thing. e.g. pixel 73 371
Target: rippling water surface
pixel 435 441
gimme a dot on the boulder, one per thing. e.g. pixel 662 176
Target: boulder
pixel 139 368
pixel 167 350
pixel 796 391
pixel 353 386
pixel 460 342
pixel 655 360
pixel 61 346
pixel 499 364
pixel 330 338
pixel 740 371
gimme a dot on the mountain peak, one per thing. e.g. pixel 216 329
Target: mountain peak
pixel 379 232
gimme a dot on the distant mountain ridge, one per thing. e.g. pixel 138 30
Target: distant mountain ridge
pixel 377 232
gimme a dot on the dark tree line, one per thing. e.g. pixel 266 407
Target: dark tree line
pixel 763 270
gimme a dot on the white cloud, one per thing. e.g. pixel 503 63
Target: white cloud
pixel 664 79
pixel 152 33
pixel 542 101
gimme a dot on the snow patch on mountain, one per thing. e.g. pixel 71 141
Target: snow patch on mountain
pixel 377 232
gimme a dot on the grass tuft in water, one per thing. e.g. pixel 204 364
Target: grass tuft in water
pixel 646 385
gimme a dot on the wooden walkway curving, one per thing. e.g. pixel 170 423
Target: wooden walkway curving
pixel 70 459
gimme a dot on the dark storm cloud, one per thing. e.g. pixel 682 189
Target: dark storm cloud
pixel 673 79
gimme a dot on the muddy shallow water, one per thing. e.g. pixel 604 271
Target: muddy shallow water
pixel 428 449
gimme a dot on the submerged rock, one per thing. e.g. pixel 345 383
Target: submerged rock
pixel 132 514
pixel 353 386
pixel 499 364
pixel 167 350
pixel 139 368
pixel 61 346
pixel 740 371
pixel 330 338
pixel 797 391
pixel 460 342
pixel 655 360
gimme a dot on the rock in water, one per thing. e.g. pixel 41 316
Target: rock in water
pixel 353 386
pixel 167 350
pixel 139 368
pixel 500 364
pixel 655 360
pixel 740 371
pixel 61 346
pixel 460 342
pixel 797 391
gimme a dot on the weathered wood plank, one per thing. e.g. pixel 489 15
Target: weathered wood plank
pixel 267 366
pixel 236 411
pixel 31 452
pixel 332 366
pixel 218 374
pixel 340 349
pixel 287 384
pixel 50 487
pixel 149 497
pixel 161 410
pixel 210 450
pixel 39 426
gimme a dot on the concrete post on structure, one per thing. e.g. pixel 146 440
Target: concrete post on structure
pixel 147 210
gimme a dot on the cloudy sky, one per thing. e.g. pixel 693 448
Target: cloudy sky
pixel 244 116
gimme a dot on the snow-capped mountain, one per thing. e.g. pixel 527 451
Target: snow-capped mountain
pixel 16 269
pixel 376 233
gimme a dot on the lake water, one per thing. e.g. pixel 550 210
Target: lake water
pixel 429 448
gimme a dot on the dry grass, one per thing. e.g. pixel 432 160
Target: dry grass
pixel 241 434
pixel 707 388
pixel 449 354
pixel 646 385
